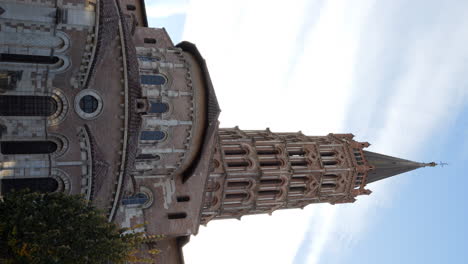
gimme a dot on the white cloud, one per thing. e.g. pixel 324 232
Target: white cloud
pixel 157 9
pixel 249 46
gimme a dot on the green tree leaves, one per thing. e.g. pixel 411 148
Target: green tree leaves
pixel 58 228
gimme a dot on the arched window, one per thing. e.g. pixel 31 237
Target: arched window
pixel 138 199
pixel 157 107
pixel 42 185
pixel 173 216
pixel 152 135
pixel 297 189
pixel 327 153
pixel 27 147
pixel 268 194
pixel 237 184
pixel 149 40
pixel 330 177
pixel 229 152
pixel 13 105
pixel 148 58
pixel 330 162
pixel 299 180
pixel 148 157
pixel 131 7
pixel 267 151
pixel 328 186
pixel 271 182
pixel 271 163
pixel 236 196
pixel 153 79
pixel 23 58
pixel 240 163
pixel 298 152
pixel 183 198
pixel 299 163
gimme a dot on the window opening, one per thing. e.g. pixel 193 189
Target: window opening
pixel 327 154
pixel 299 179
pixel 328 186
pixel 183 199
pixel 238 184
pixel 267 152
pixel 147 58
pixel 173 216
pixel 330 162
pixel 300 163
pixel 14 105
pixel 89 104
pixel 153 79
pixel 148 156
pixel 297 189
pixel 236 195
pixel 238 164
pixel 152 135
pixel 271 182
pixel 157 107
pixel 22 58
pixel 131 7
pixel 330 177
pixel 27 147
pixel 270 163
pixel 42 185
pixel 150 40
pixel 235 152
pixel 296 153
pixel 268 192
pixel 138 199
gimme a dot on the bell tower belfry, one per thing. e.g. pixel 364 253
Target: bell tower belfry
pixel 258 171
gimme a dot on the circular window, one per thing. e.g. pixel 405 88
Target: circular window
pixel 88 104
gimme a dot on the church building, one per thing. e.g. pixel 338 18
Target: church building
pixel 95 102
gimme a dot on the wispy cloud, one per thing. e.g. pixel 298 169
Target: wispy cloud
pixel 410 89
pixel 387 71
pixel 159 9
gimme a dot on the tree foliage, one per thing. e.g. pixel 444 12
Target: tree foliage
pixel 58 228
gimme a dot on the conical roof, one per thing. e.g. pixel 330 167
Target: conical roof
pixel 388 166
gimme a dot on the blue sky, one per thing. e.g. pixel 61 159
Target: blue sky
pixel 391 72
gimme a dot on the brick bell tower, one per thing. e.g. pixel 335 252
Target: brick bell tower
pixel 258 171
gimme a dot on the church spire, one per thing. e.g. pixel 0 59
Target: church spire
pixel 388 166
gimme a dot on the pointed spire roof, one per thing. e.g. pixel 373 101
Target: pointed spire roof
pixel 388 166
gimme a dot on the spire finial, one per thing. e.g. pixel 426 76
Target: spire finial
pixel 442 164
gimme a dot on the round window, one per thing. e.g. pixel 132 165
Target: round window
pixel 89 104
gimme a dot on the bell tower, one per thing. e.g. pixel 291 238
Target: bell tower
pixel 258 171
